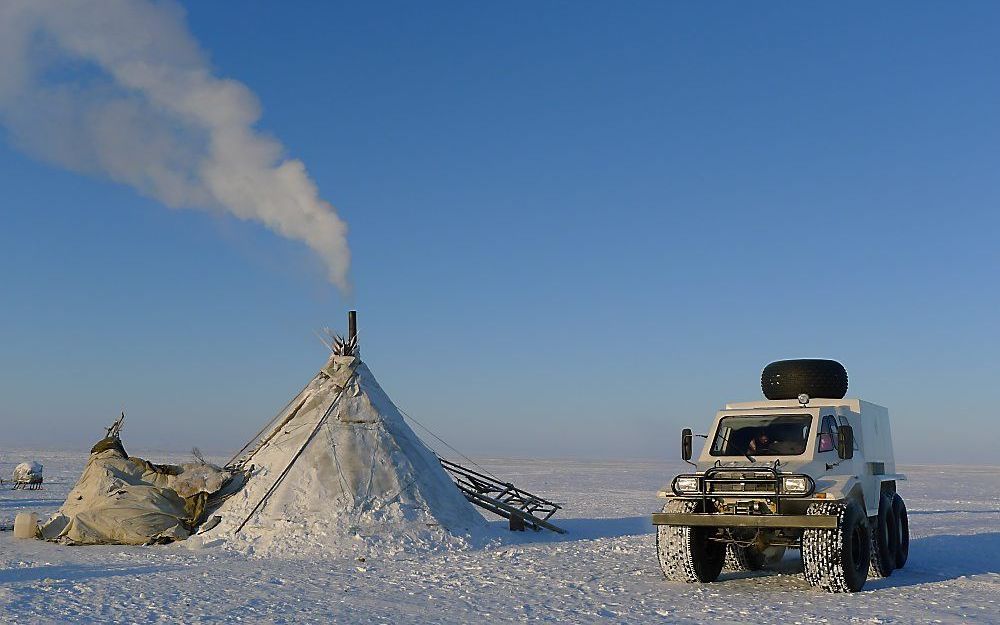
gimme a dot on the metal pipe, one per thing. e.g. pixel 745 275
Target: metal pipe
pixel 352 326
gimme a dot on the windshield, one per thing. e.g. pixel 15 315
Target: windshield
pixel 767 435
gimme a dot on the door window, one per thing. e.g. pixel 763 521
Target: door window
pixel 827 435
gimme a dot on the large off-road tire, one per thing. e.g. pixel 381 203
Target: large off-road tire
pixel 903 527
pixel 787 379
pixel 837 560
pixel 740 558
pixel 885 539
pixel 685 553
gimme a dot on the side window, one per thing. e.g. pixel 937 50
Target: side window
pixel 721 440
pixel 843 421
pixel 827 434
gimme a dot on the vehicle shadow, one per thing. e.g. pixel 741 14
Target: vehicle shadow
pixel 74 572
pixel 590 529
pixel 932 559
pixel 944 557
pixel 576 529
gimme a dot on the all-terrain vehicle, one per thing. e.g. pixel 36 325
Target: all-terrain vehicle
pixel 806 469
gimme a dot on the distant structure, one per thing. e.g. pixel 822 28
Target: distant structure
pixel 27 476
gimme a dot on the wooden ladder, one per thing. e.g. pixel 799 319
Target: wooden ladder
pixel 520 507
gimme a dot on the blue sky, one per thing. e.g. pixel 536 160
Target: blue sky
pixel 576 228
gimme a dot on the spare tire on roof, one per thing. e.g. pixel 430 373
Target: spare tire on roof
pixel 787 379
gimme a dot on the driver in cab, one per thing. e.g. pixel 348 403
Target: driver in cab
pixel 762 443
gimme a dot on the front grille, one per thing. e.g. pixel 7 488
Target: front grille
pixel 717 489
pixel 739 482
pixel 751 483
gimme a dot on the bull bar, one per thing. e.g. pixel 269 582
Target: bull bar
pixel 764 483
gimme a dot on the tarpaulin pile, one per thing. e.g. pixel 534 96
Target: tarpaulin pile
pixel 123 500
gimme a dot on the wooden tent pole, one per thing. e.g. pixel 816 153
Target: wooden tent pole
pixel 288 468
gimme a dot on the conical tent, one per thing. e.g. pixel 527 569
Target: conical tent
pixel 340 462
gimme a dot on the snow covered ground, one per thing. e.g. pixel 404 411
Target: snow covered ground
pixel 604 570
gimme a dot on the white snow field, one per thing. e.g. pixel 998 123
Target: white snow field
pixel 604 570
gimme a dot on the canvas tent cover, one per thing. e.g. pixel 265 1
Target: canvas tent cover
pixel 339 470
pixel 123 500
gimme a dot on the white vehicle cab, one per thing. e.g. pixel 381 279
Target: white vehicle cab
pixel 805 469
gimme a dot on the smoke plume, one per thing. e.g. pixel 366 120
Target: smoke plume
pixel 119 88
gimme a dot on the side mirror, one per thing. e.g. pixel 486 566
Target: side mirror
pixel 845 442
pixel 686 437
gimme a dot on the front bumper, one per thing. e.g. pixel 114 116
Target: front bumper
pixel 797 521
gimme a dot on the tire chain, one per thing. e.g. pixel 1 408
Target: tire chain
pixel 740 559
pixel 822 550
pixel 673 545
pixel 875 567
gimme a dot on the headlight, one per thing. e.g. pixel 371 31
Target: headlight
pixel 795 484
pixel 687 484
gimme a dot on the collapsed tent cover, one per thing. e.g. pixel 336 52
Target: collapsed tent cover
pixel 127 500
